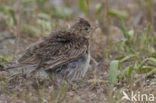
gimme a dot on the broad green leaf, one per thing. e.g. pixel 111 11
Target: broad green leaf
pixel 118 13
pixel 83 6
pixel 99 8
pixel 114 65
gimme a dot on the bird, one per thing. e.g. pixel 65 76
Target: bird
pixel 65 53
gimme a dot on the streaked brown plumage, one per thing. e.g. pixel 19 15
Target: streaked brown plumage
pixel 65 53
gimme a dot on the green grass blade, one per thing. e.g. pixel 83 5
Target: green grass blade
pixel 114 65
pixel 118 13
pixel 126 58
pixel 99 8
pixel 83 6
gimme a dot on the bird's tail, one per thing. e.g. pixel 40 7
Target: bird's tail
pixel 14 66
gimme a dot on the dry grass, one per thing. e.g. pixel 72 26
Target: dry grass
pixel 124 47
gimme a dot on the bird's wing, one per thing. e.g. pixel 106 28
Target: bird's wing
pixel 66 57
pixel 29 55
pixel 67 47
pixel 55 50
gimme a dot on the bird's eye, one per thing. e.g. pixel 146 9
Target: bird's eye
pixel 86 28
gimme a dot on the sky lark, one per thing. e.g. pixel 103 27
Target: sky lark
pixel 65 53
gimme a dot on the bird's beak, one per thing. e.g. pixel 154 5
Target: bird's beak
pixel 94 28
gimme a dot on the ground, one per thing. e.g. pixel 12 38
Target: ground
pixel 123 49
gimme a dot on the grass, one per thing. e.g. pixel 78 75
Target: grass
pixel 126 55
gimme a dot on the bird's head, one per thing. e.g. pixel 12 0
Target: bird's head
pixel 82 27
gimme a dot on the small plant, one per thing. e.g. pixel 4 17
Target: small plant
pixel 99 8
pixel 9 16
pixel 84 6
pixel 61 11
pixel 4 59
pixel 114 65
pixel 134 52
